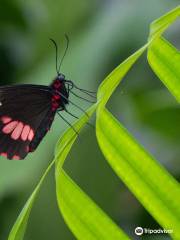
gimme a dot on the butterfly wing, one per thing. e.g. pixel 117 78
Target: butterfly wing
pixel 24 111
pixel 43 128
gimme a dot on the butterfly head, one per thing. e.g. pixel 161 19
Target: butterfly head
pixel 59 82
pixel 60 77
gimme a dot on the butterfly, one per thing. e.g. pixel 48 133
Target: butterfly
pixel 27 112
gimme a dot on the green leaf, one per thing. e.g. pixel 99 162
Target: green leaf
pixel 165 61
pixel 85 219
pixel 158 26
pixel 19 227
pixel 153 186
pixel 113 79
pixel 162 56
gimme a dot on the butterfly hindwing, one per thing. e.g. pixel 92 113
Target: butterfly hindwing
pixel 25 110
pixel 44 127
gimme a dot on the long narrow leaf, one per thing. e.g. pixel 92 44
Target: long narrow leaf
pixel 149 181
pixel 158 26
pixel 85 219
pixel 162 56
pixel 165 62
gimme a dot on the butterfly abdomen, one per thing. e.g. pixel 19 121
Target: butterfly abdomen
pixel 60 94
pixel 55 102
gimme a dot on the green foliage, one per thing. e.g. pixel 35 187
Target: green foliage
pixel 82 215
pixel 140 172
pixel 162 56
pixel 154 187
pixel 164 60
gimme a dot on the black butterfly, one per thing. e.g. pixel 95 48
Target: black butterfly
pixel 27 112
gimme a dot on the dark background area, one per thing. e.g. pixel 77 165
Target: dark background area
pixel 102 34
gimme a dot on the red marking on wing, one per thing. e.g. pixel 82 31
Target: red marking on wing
pixel 5 119
pixel 16 157
pixel 17 131
pixel 10 127
pixel 3 154
pixel 31 135
pixel 25 132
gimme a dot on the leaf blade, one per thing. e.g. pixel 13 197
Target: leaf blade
pixel 86 220
pixel 164 59
pixel 74 209
pixel 140 172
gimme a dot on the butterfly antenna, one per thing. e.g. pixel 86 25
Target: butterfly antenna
pixel 56 47
pixel 67 45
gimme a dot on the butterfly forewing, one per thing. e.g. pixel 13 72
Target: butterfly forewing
pixel 25 117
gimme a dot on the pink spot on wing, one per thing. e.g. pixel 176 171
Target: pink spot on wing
pixel 17 131
pixel 31 135
pixel 10 127
pixel 5 119
pixel 15 157
pixel 25 132
pixel 3 154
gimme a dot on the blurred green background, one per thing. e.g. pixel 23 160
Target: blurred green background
pixel 102 34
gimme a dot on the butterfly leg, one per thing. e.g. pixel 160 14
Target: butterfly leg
pixel 61 108
pixel 91 125
pixel 68 123
pixel 90 93
pixel 69 87
pixel 76 95
pixel 71 113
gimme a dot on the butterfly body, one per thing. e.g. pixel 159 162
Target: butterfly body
pixel 58 86
pixel 26 114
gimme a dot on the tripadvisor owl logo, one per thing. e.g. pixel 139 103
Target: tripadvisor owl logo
pixel 138 231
